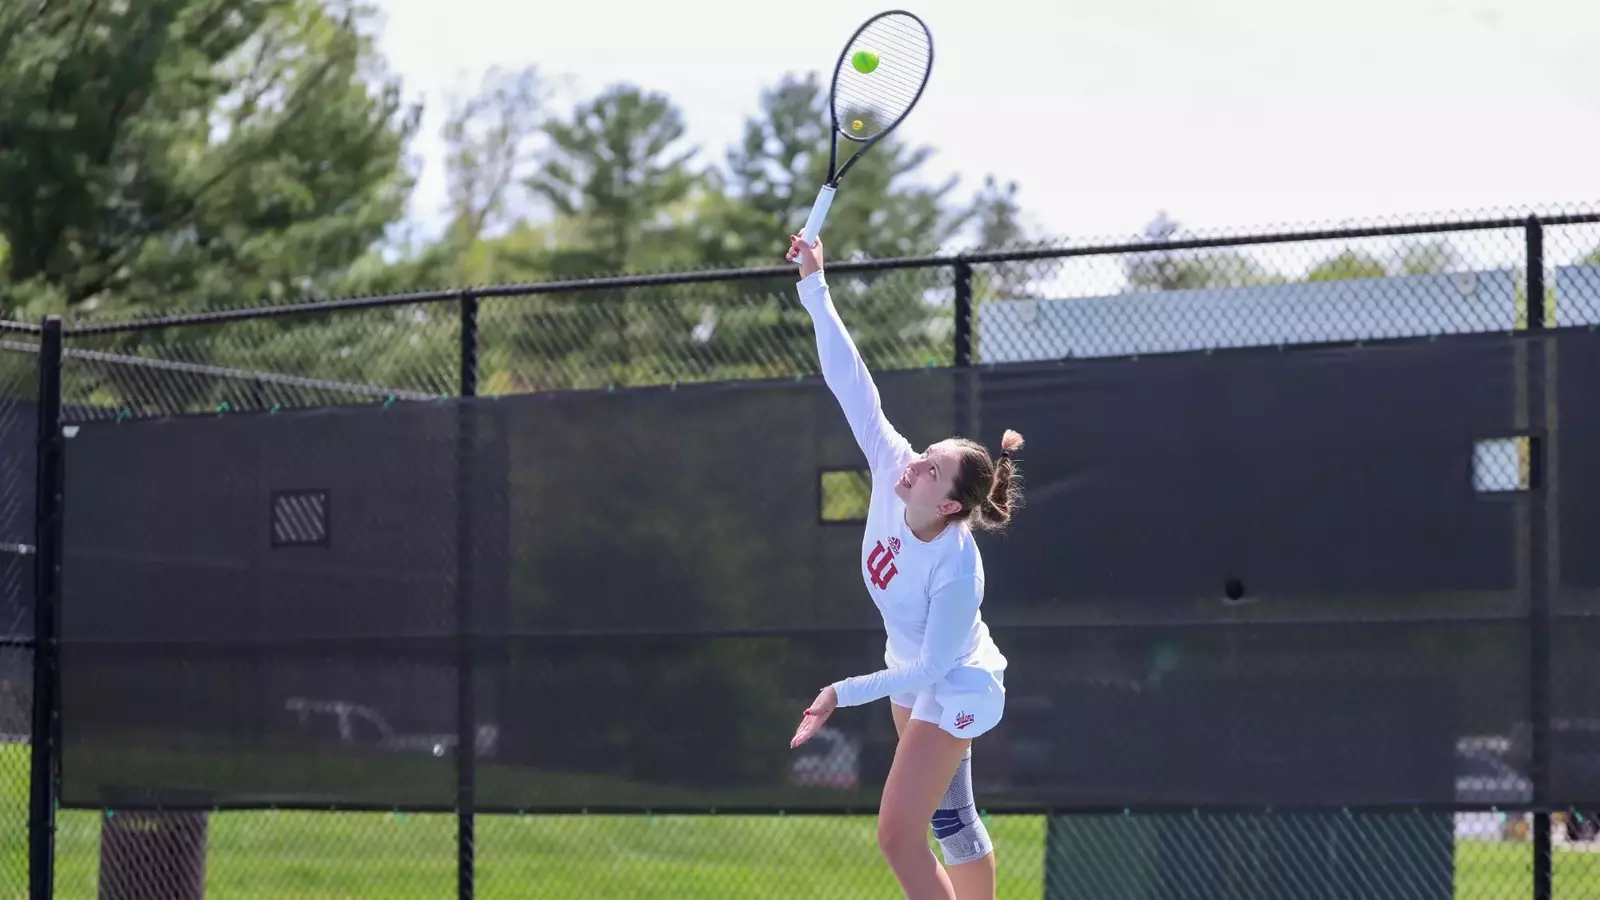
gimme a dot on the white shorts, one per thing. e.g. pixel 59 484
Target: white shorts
pixel 966 703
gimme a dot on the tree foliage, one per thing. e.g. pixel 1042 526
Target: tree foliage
pixel 177 155
pixel 192 153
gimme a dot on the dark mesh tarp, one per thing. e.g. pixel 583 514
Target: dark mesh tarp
pixel 1330 482
pixel 655 598
pixel 1575 470
pixel 1574 733
pixel 691 509
pixel 173 521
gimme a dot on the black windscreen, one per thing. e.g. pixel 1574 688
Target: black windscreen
pixel 267 608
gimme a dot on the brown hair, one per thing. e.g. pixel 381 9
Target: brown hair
pixel 988 488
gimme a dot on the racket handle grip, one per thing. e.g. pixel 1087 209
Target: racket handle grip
pixel 819 212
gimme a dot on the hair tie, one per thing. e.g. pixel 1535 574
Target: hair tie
pixel 1005 454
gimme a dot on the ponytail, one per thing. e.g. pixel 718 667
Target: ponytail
pixel 1004 497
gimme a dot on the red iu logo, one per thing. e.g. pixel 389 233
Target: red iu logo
pixel 880 565
pixel 963 720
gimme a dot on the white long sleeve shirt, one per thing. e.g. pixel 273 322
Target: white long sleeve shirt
pixel 928 592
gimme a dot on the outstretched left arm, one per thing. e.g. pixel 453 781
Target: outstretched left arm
pixel 952 615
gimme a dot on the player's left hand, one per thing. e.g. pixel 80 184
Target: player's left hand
pixel 815 715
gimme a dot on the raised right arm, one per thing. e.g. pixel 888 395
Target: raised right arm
pixel 847 377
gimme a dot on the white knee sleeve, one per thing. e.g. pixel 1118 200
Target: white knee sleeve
pixel 956 824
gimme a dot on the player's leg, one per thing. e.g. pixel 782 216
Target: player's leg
pixel 969 860
pixel 900 706
pixel 968 853
pixel 924 760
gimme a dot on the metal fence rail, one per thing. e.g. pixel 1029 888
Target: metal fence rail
pixel 1124 300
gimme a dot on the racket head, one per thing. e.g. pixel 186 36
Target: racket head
pixel 867 106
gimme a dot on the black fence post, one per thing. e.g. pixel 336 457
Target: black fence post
pixel 964 424
pixel 466 678
pixel 1538 584
pixel 46 695
pixel 963 330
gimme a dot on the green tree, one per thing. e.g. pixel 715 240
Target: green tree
pixel 489 138
pixel 1427 257
pixel 619 179
pixel 1172 270
pixel 188 154
pixel 192 153
pixel 619 169
pixel 1347 265
pixel 997 225
pixel 997 215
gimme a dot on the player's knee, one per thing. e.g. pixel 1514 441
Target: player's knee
pixel 962 835
pixel 956 824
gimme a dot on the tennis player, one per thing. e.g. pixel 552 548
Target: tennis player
pixel 944 675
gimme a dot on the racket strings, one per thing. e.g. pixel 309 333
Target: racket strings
pixel 880 98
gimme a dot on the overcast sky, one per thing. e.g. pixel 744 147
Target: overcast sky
pixel 1224 113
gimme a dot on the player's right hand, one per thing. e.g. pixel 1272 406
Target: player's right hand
pixel 810 257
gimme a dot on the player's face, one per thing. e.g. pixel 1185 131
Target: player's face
pixel 927 481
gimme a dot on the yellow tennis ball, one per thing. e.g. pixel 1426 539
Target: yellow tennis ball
pixel 856 125
pixel 864 61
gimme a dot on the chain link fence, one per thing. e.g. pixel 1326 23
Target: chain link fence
pixel 1186 294
pixel 16 700
pixel 1202 854
pixel 719 331
pixel 18 371
pixel 398 353
pixel 1283 294
pixel 1214 292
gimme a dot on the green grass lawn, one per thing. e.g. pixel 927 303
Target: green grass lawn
pixel 281 855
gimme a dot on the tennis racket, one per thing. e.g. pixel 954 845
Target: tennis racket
pixel 879 78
